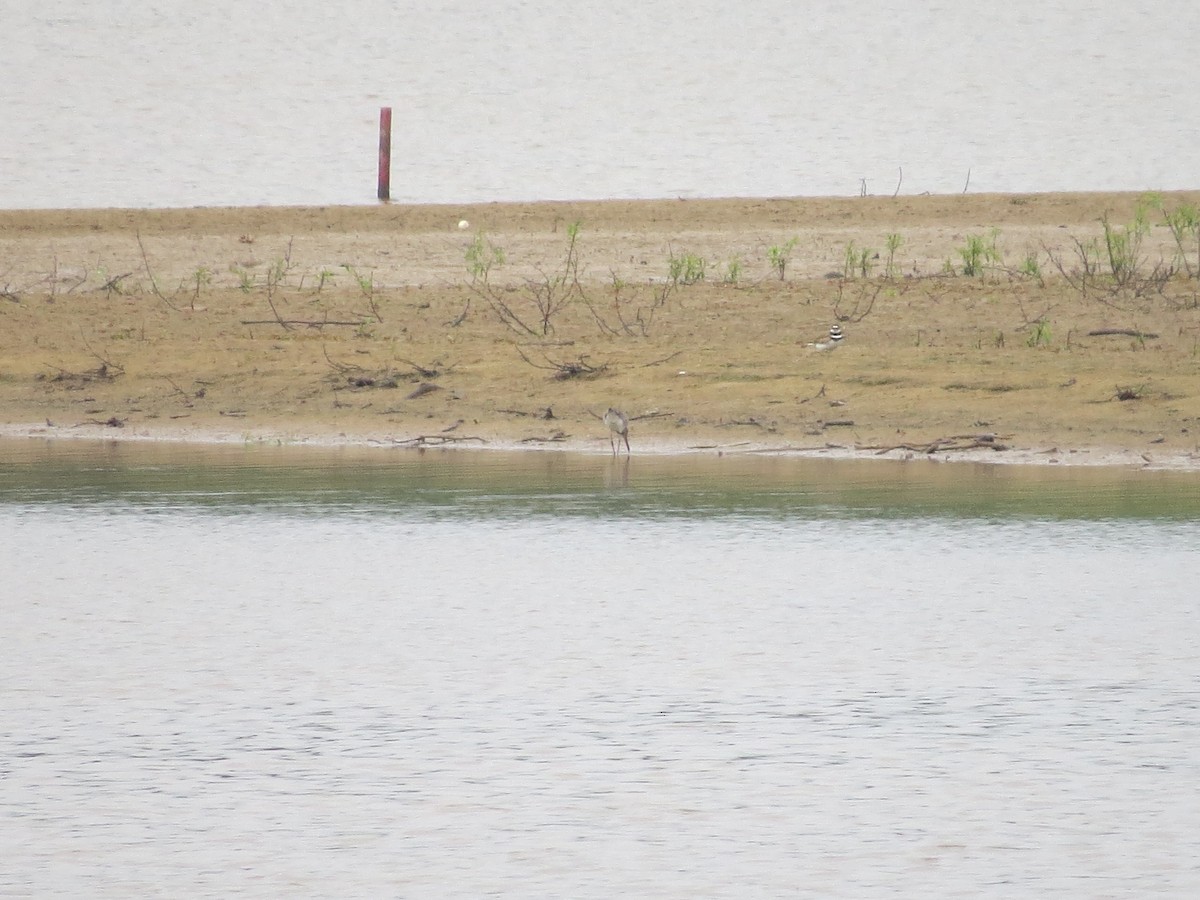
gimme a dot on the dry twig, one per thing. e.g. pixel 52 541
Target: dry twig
pixel 950 443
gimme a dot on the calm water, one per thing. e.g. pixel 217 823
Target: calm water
pixel 269 672
pixel 177 103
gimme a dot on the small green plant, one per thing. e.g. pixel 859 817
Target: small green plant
pixel 866 261
pixel 1123 247
pixel 323 277
pixel 894 241
pixel 276 276
pixel 858 261
pixel 481 256
pixel 686 269
pixel 201 278
pixel 366 283
pixel 278 271
pixel 848 263
pixel 733 270
pixel 1184 223
pixel 1030 266
pixel 366 286
pixel 245 278
pixel 978 252
pixel 779 255
pixel 1040 335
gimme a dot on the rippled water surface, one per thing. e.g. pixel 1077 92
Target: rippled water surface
pixel 177 103
pixel 278 672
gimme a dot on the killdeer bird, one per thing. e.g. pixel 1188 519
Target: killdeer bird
pixel 835 338
pixel 618 426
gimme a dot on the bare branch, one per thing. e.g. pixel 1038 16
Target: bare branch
pixel 149 274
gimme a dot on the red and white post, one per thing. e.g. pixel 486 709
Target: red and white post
pixel 385 153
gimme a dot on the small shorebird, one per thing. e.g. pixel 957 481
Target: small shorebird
pixel 618 425
pixel 835 338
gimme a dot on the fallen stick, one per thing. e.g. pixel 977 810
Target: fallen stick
pixel 659 362
pixel 951 443
pixel 433 440
pixel 1122 332
pixel 311 323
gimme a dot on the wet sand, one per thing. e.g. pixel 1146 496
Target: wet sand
pixel 377 325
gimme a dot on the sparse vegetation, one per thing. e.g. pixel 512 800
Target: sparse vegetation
pixel 366 287
pixel 1114 268
pixel 859 261
pixel 978 253
pixel 689 268
pixel 530 309
pixel 571 332
pixel 779 255
pixel 1184 223
pixel 894 241
pixel 201 278
pixel 633 307
pixel 1123 248
pixel 1031 267
pixel 325 276
pixel 482 256
pixel 1040 334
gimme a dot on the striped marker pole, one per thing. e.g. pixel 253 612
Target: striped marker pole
pixel 385 153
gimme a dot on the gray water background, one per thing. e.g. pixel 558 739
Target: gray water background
pixel 182 103
pixel 267 672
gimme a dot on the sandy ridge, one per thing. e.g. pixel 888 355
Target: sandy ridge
pixel 139 319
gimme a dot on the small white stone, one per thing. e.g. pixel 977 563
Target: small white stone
pixel 463 224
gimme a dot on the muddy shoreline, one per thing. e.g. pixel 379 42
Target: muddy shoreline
pixel 377 326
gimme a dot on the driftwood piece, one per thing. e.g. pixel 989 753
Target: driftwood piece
pixel 719 446
pixel 311 323
pixel 113 285
pixel 555 437
pixel 793 448
pixel 565 369
pixel 422 389
pixel 103 373
pixel 950 443
pixel 434 440
pixel 659 362
pixel 816 396
pixel 1123 332
pixel 112 422
pixel 423 371
pixel 545 412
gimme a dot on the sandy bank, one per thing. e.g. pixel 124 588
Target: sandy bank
pixel 368 325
